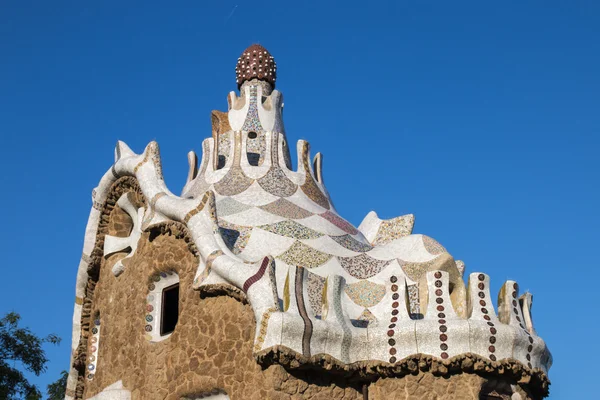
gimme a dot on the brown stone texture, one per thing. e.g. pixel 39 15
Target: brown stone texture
pixel 426 386
pixel 120 223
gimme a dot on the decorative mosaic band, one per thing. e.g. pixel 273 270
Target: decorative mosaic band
pixel 93 349
pixel 310 187
pixel 196 210
pixel 308 328
pixel 264 324
pixel 139 165
pixel 517 312
pixel 152 208
pixel 209 261
pixel 441 315
pixel 256 277
pixel 393 319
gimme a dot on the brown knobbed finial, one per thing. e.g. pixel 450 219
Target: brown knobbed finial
pixel 256 63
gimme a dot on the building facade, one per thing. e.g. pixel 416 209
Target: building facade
pixel 249 285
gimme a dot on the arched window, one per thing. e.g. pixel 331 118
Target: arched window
pixel 169 313
pixel 497 390
pixel 162 308
pixel 253 147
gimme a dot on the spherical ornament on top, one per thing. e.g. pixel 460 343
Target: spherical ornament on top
pixel 256 63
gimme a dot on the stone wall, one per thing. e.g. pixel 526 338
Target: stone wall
pixel 426 386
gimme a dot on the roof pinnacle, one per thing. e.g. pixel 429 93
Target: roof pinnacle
pixel 255 63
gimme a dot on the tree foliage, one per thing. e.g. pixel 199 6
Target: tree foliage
pixel 20 348
pixel 56 390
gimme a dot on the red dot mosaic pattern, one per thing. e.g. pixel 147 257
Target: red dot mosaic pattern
pixel 441 315
pixel 394 319
pixel 484 310
pixel 515 310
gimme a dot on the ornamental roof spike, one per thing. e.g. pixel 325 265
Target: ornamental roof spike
pixel 256 63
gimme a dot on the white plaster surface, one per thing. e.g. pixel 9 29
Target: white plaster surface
pixel 116 391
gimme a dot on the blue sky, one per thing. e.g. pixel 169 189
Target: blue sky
pixel 480 117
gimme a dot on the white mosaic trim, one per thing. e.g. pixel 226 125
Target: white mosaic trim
pixel 113 244
pixel 116 391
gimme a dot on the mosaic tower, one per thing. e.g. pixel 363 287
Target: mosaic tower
pixel 249 285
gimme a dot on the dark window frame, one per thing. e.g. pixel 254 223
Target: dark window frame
pixel 163 331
